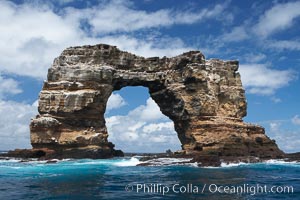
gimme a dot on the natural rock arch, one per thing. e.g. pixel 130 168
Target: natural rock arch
pixel 204 98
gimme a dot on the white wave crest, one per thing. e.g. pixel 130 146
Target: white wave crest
pixel 282 162
pixel 10 160
pixel 233 164
pixel 267 162
pixel 127 163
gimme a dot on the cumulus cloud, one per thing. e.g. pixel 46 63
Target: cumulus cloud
pixel 296 120
pixel 126 18
pixel 144 129
pixel 32 38
pixel 260 79
pixel 14 124
pixel 279 17
pixel 147 46
pixel 286 138
pixel 8 86
pixel 150 128
pixel 115 101
pixel 36 32
pixel 148 112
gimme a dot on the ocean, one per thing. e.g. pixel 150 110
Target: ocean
pixel 120 178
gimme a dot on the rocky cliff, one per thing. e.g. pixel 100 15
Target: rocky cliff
pixel 204 98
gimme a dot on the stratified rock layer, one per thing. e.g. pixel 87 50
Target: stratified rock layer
pixel 204 98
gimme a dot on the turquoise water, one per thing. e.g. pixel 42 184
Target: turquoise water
pixel 109 179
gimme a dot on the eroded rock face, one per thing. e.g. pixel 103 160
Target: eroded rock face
pixel 204 98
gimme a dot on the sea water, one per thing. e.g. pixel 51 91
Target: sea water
pixel 121 178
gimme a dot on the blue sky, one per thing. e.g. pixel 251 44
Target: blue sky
pixel 262 35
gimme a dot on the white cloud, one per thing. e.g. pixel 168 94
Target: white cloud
pixel 125 18
pixel 296 120
pixel 149 112
pixel 32 38
pixel 274 126
pixel 115 101
pixel 285 45
pixel 279 17
pixel 14 124
pixel 260 79
pixel 237 34
pixel 150 128
pixel 8 86
pixel 286 138
pixel 36 34
pixel 147 47
pixel 254 57
pixel 144 129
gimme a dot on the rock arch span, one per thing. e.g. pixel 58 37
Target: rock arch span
pixel 204 98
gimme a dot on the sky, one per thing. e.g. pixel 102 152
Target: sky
pixel 264 36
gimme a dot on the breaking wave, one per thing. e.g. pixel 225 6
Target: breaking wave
pixel 127 163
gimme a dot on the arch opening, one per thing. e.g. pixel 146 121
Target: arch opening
pixel 135 123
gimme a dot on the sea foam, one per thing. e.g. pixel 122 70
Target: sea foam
pixel 127 163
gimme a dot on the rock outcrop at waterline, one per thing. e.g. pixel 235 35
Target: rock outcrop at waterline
pixel 204 98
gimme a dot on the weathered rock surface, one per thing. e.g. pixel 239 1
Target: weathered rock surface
pixel 204 98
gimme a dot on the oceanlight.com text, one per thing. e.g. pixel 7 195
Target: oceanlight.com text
pixel 253 189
